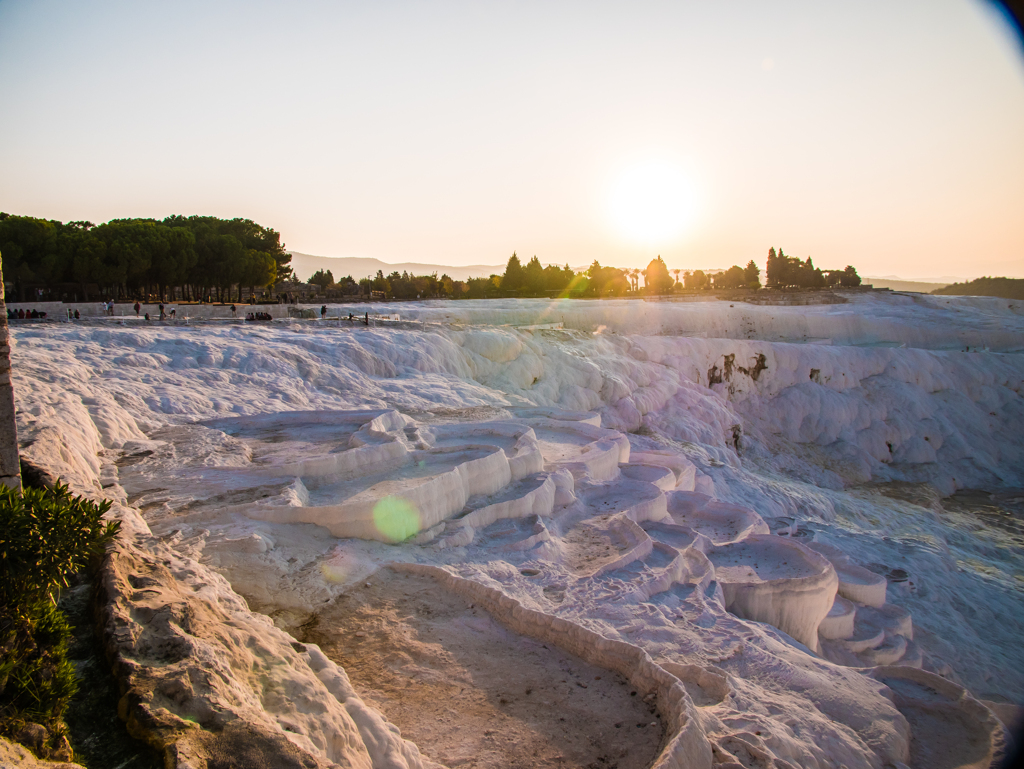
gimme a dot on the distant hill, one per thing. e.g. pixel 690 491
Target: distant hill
pixel 305 265
pixel 904 285
pixel 1004 288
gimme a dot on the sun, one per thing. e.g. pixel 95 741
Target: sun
pixel 652 202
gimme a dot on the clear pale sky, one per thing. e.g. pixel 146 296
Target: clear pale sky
pixel 885 134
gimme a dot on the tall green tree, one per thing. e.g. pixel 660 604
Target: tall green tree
pixel 752 275
pixel 85 253
pixel 130 244
pixel 774 272
pixel 850 278
pixel 322 279
pixel 533 277
pixel 27 244
pixel 260 270
pixel 656 277
pixel 514 278
pixel 172 262
pixel 558 278
pixel 696 280
pixel 731 278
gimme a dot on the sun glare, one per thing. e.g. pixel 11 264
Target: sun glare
pixel 652 202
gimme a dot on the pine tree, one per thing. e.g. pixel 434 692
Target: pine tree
pixel 514 278
pixel 533 277
pixel 752 274
pixel 774 271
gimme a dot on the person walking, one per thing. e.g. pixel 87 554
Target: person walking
pixel 137 307
pixel 323 311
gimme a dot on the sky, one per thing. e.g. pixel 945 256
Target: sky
pixel 884 134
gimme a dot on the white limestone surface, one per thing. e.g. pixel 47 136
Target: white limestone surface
pixel 779 581
pixel 240 447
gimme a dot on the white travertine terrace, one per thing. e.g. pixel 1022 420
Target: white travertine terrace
pixel 778 581
pixel 720 522
pixel 838 623
pixel 855 582
pixel 609 493
pixel 457 479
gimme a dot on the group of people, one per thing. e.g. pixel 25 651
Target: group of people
pixel 163 315
pixel 108 309
pixel 23 314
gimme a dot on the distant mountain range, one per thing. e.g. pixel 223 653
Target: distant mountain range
pixel 897 284
pixel 305 265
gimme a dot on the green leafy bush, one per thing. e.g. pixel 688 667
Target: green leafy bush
pixel 36 679
pixel 46 536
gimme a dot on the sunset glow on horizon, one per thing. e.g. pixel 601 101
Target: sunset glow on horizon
pixel 653 203
pixel 885 135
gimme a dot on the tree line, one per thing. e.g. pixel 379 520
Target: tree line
pixel 784 271
pixel 516 281
pixel 196 258
pixel 535 280
pixel 1004 288
pixel 734 277
pixel 394 286
pixel 190 258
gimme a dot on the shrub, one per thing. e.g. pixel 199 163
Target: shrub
pixel 46 536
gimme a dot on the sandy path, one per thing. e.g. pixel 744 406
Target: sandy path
pixel 470 693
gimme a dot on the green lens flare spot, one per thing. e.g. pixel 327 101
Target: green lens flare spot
pixel 396 518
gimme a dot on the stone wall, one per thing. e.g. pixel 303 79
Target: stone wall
pixel 10 467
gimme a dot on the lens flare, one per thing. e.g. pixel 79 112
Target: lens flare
pixel 335 571
pixel 396 518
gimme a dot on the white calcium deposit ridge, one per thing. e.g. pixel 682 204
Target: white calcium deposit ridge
pixel 752 531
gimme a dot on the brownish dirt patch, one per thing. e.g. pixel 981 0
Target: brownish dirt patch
pixel 588 546
pixel 470 693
